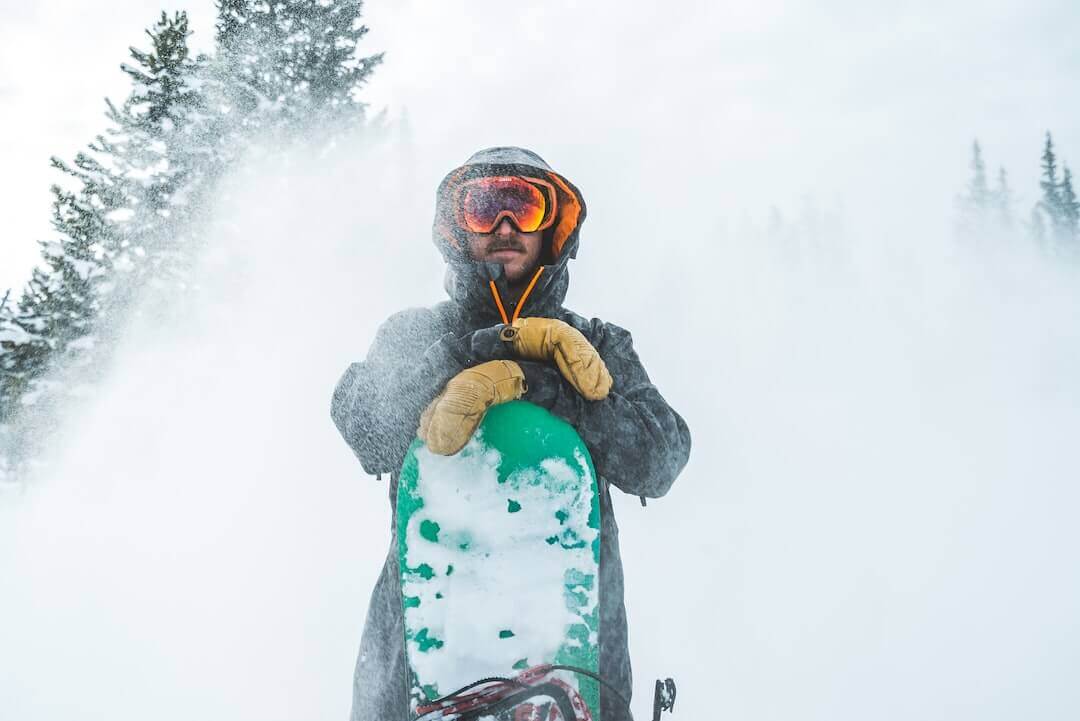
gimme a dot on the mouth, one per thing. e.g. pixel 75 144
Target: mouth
pixel 504 253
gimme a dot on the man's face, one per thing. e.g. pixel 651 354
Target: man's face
pixel 519 253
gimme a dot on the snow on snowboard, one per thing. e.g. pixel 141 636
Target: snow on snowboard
pixel 499 552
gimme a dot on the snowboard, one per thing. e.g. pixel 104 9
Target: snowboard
pixel 499 553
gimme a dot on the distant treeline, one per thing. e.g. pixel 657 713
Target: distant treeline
pixel 1053 221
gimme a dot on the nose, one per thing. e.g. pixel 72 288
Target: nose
pixel 505 228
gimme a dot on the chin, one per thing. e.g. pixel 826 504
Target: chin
pixel 514 276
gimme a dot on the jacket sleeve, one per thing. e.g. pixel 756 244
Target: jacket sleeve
pixel 377 403
pixel 637 441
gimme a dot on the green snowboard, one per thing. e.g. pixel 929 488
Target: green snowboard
pixel 499 551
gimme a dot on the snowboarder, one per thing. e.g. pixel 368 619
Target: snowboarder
pixel 506 225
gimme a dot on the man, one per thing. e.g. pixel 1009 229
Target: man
pixel 507 225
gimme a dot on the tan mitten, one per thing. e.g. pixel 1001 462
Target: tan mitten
pixel 450 420
pixel 548 339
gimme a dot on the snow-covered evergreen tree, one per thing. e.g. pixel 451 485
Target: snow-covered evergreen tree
pixel 292 66
pixel 116 229
pixel 10 336
pixel 166 146
pixel 58 312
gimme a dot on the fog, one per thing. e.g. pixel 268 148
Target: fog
pixel 877 518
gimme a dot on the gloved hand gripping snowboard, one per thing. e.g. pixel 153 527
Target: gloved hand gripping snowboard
pixel 451 418
pixel 554 341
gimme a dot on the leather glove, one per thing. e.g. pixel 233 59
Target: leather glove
pixel 551 340
pixel 450 420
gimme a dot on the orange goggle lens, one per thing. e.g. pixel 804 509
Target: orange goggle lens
pixel 488 200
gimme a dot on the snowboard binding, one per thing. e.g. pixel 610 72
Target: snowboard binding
pixel 663 697
pixel 533 695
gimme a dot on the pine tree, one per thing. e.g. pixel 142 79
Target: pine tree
pixel 165 142
pixel 1058 204
pixel 976 207
pixel 1050 204
pixel 8 334
pixel 1003 200
pixel 56 317
pixel 60 306
pixel 289 66
pixel 978 188
pixel 111 232
pixel 11 336
pixel 1070 209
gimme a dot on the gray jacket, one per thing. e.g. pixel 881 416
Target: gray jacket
pixel 637 442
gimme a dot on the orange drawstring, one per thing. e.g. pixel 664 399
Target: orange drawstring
pixel 498 301
pixel 521 301
pixel 528 289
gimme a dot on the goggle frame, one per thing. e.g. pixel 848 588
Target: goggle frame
pixel 547 188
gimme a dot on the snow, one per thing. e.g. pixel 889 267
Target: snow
pixel 14 334
pixel 120 215
pixel 86 342
pixel 506 576
pixel 37 389
pixel 84 268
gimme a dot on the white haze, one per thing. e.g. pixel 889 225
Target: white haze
pixel 878 516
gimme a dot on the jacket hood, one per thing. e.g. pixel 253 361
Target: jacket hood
pixel 467 280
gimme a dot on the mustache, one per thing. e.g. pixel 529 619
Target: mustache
pixel 498 245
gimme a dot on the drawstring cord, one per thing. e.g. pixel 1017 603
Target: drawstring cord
pixel 521 301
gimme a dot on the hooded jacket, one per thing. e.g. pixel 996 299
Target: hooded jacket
pixel 637 442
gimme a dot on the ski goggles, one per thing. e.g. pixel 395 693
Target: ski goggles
pixel 529 203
